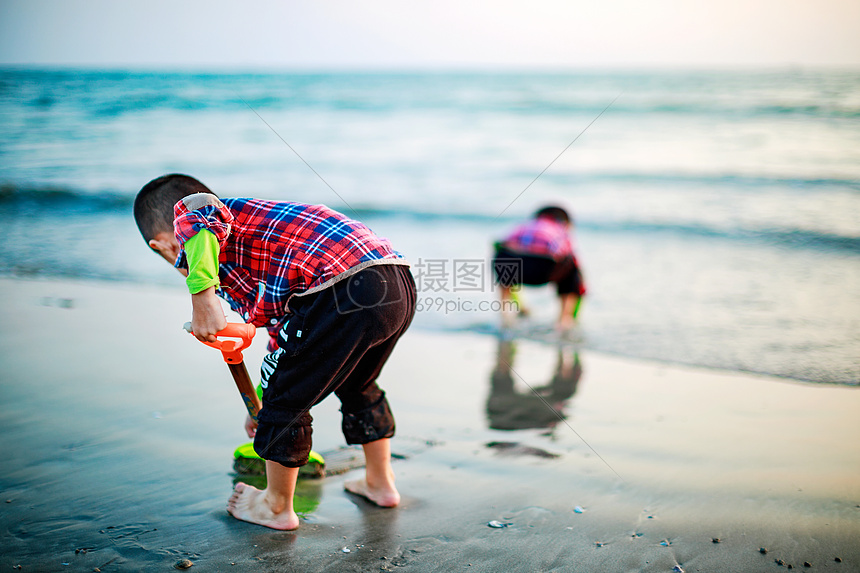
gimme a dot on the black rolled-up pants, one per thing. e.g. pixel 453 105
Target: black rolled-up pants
pixel 336 340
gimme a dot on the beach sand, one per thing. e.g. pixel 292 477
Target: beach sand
pixel 118 431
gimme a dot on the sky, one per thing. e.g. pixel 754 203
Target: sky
pixel 422 34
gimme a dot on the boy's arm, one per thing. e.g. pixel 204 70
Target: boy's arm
pixel 207 316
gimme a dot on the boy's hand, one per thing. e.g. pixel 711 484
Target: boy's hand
pixel 250 426
pixel 207 316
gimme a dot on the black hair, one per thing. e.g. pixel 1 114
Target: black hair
pixel 153 206
pixel 555 213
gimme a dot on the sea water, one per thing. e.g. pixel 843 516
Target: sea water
pixel 717 213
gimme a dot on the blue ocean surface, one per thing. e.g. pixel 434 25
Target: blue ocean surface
pixel 717 213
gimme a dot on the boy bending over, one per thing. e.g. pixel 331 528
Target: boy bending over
pixel 540 252
pixel 335 299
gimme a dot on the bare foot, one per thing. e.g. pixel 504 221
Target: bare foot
pixel 383 496
pixel 250 504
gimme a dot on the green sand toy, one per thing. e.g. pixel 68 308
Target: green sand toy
pixel 247 462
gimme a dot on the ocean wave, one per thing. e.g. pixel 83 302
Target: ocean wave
pixel 31 199
pixel 114 93
pixel 786 238
pixel 706 179
pixel 70 200
pixel 385 105
pixel 546 335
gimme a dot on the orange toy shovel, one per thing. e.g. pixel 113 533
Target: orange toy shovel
pixel 231 350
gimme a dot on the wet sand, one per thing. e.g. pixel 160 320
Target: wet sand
pixel 118 432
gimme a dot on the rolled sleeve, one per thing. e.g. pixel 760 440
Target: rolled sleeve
pixel 201 211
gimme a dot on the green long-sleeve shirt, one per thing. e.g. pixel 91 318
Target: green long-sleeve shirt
pixel 201 252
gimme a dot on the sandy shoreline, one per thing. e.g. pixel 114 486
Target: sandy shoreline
pixel 119 430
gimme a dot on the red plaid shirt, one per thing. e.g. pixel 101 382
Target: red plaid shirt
pixel 543 237
pixel 270 251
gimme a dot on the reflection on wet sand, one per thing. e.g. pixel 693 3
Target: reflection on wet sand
pixel 536 406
